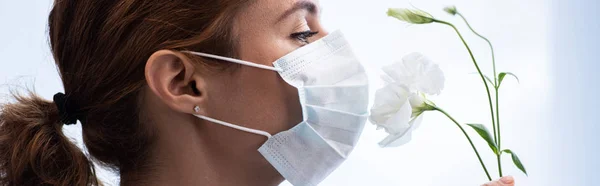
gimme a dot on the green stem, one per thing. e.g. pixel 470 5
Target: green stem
pixel 498 122
pixel 496 87
pixel 468 138
pixel 487 89
pixel 489 43
pixel 493 62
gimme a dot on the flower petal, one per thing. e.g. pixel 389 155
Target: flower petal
pixel 432 82
pixel 399 122
pixel 417 102
pixel 416 122
pixel 388 101
pixel 399 73
pixel 395 140
pixel 399 139
pixel 397 126
pixel 417 73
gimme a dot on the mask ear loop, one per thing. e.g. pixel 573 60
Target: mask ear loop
pixel 254 131
pixel 234 61
pixel 197 108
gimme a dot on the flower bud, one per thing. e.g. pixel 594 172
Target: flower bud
pixel 410 16
pixel 451 10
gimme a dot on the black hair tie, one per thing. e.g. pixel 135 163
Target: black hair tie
pixel 67 111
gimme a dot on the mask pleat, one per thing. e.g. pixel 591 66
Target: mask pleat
pixel 342 98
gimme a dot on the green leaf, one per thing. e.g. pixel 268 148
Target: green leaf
pixel 489 80
pixel 503 74
pixel 516 160
pixel 485 134
pixel 486 78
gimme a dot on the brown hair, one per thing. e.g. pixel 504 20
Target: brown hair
pixel 100 48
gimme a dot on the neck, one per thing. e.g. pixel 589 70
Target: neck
pixel 206 154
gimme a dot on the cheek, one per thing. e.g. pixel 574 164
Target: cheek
pixel 293 105
pixel 279 103
pixel 265 99
pixel 257 99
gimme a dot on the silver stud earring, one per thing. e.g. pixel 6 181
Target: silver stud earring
pixel 197 109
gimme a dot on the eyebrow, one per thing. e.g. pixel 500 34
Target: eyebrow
pixel 300 5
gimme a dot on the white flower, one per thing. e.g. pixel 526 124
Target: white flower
pixel 398 111
pixel 417 73
pixel 399 105
pixel 391 101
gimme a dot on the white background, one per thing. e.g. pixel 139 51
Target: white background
pixel 528 41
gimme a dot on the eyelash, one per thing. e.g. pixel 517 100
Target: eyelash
pixel 303 36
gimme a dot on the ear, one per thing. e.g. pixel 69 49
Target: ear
pixel 172 77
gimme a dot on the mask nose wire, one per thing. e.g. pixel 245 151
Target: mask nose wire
pixel 234 61
pixel 254 131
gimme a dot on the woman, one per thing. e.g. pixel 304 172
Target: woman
pixel 164 100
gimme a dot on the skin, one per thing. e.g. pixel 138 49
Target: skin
pixel 504 181
pixel 192 151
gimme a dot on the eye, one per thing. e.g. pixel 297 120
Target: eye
pixel 303 36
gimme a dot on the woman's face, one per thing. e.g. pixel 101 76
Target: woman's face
pixel 256 98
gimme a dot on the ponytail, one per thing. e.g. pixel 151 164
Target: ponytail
pixel 34 150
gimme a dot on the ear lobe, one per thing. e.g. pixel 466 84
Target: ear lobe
pixel 170 76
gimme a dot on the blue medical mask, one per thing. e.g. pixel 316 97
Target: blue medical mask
pixel 333 90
